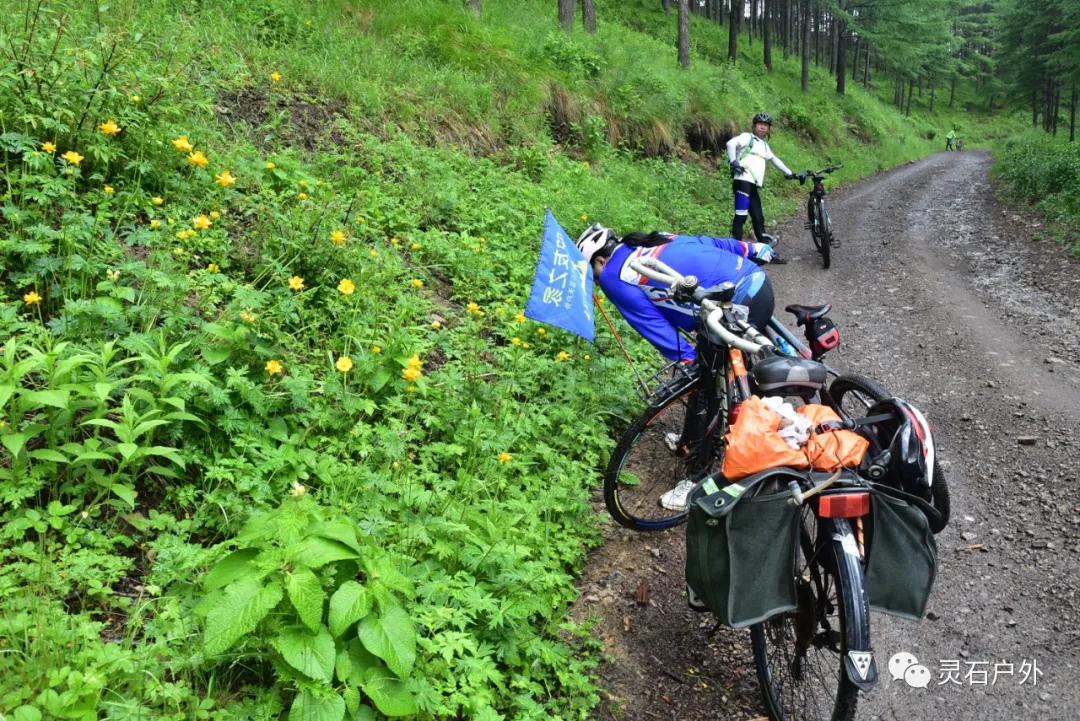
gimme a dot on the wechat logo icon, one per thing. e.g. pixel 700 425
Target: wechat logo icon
pixel 904 666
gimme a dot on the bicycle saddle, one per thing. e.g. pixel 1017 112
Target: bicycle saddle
pixel 805 313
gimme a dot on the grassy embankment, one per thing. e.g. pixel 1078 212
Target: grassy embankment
pixel 263 265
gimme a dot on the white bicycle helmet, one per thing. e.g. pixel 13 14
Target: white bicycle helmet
pixel 595 239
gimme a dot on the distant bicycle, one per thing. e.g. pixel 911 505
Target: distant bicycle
pixel 817 217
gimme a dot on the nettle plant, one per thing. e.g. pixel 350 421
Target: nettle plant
pixel 342 639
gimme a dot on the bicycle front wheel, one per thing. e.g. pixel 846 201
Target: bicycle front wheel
pixel 851 396
pixel 826 237
pixel 799 655
pixel 650 459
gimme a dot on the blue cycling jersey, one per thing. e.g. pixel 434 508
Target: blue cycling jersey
pixel 647 305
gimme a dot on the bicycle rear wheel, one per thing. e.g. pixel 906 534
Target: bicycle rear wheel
pixel 799 655
pixel 647 462
pixel 851 395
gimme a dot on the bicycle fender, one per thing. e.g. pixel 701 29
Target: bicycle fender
pixel 860 667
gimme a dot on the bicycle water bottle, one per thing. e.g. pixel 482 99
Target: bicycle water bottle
pixel 784 347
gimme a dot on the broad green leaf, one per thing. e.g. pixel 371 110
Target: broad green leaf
pixel 92 456
pixel 364 713
pixel 56 399
pixel 236 611
pixel 316 551
pixel 349 604
pixel 26 713
pixel 102 390
pixel 127 450
pixel 378 379
pixel 312 654
pixel 233 567
pixel 309 707
pixel 215 354
pixel 6 390
pixel 351 697
pixel 389 694
pixel 340 531
pixel 353 662
pixel 125 493
pixel 48 454
pixel 166 452
pixel 392 637
pixel 14 442
pixel 384 570
pixel 306 594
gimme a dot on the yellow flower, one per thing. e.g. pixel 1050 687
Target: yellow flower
pixel 215 214
pixel 414 362
pixel 338 237
pixel 197 159
pixel 540 331
pixel 109 190
pixel 410 388
pixel 588 357
pixel 344 364
pixel 72 157
pixel 302 196
pixel 113 275
pixel 48 147
pixel 346 287
pixel 183 144
pixel 296 283
pixel 274 367
pixel 411 374
pixel 515 341
pixel 224 179
pixel 473 308
pixel 415 246
pixel 201 222
pixel 520 317
pixel 157 200
pixel 155 223
pixel 584 218
pixel 395 241
pixel 213 268
pixel 32 298
pixel 247 316
pixel 524 345
pixel 269 165
pixel 298 489
pixel 562 356
pixel 376 349
pixel 417 283
pixel 436 324
pixel 109 127
pixel 499 310
pixel 505 457
pixel 585 164
pixel 275 77
pixel 134 98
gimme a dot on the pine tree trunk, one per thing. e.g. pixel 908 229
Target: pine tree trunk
pixel 910 92
pixel 588 15
pixel 1034 109
pixel 766 34
pixel 667 6
pixel 952 91
pixel 1072 115
pixel 931 94
pixel 733 30
pixel 866 68
pixel 804 79
pixel 855 58
pixel 1057 106
pixel 833 40
pixel 753 22
pixel 566 14
pixel 684 34
pixel 786 20
pixel 477 6
pixel 841 58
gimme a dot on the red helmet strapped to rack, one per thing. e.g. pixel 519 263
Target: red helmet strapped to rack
pixel 903 446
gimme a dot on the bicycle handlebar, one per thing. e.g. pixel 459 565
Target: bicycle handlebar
pixel 659 271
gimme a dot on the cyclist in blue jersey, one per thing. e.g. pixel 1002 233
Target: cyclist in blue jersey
pixel 648 306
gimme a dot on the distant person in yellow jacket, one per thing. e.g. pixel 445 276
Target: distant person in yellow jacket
pixel 949 138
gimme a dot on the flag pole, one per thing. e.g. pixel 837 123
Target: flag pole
pixel 644 385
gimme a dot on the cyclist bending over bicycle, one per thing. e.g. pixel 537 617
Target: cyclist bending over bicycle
pixel 649 307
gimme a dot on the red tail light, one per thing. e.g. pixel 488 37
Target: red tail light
pixel 844 505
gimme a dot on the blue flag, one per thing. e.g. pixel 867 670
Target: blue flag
pixel 563 285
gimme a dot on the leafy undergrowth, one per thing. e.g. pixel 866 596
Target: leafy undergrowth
pixel 1045 171
pixel 276 436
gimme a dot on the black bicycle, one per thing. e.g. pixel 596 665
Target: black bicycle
pixel 679 438
pixel 817 217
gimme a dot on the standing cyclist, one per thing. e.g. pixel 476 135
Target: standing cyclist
pixel 747 154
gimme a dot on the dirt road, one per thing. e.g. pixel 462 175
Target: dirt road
pixel 959 307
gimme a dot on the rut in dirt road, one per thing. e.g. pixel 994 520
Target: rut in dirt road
pixel 959 307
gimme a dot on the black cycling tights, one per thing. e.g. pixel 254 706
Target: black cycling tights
pixel 747 200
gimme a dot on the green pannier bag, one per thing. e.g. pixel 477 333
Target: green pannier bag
pixel 901 558
pixel 740 548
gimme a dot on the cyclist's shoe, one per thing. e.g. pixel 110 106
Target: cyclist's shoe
pixel 777 259
pixel 678 498
pixel 671 440
pixel 694 601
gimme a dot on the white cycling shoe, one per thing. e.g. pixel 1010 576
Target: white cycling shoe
pixel 678 498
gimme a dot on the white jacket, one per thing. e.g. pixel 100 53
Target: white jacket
pixel 751 152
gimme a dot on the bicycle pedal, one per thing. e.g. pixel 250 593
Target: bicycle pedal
pixel 835 243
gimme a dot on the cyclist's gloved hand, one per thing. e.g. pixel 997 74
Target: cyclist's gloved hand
pixel 791 176
pixel 736 169
pixel 763 252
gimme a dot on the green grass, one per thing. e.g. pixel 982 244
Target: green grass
pixel 166 395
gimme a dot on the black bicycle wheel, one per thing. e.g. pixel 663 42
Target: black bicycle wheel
pixel 648 461
pixel 851 395
pixel 799 655
pixel 825 247
pixel 813 223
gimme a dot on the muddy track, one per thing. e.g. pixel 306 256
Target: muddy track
pixel 957 305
